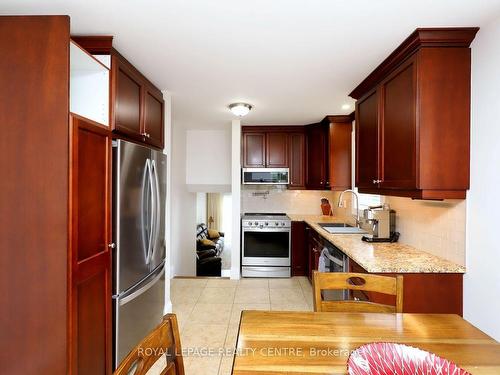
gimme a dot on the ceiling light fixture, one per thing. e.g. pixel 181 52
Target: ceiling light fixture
pixel 240 109
pixel 346 106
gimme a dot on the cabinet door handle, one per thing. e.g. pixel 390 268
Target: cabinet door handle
pixel 375 181
pixel 112 245
pixel 147 135
pixel 321 182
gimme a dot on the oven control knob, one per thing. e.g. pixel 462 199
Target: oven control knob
pixel 266 223
pixel 276 223
pixel 256 223
pixel 283 224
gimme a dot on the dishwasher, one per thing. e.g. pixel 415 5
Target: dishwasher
pixel 333 260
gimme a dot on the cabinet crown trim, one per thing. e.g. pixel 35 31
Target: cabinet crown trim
pixel 421 37
pixel 95 44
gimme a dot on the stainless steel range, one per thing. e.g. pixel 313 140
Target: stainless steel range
pixel 266 240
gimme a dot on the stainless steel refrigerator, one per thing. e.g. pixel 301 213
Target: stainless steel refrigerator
pixel 139 230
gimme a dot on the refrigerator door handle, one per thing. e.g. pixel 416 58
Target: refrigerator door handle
pixel 157 210
pixel 136 293
pixel 145 244
pixel 152 211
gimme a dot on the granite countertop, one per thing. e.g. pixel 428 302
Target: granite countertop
pixel 380 257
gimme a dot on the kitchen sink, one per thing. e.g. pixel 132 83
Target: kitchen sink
pixel 341 228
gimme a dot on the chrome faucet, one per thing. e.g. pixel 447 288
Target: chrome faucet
pixel 358 222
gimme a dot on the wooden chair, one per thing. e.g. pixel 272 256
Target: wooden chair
pixel 357 281
pixel 164 339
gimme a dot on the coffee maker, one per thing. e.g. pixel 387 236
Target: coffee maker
pixel 380 223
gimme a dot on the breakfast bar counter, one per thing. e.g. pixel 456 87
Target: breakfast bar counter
pixel 273 342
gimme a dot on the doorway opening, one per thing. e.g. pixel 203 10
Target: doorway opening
pixel 213 234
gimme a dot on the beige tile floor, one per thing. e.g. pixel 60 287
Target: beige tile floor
pixel 208 311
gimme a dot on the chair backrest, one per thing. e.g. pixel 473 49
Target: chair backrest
pixel 392 286
pixel 164 339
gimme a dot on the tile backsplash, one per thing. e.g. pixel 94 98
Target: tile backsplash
pixel 307 202
pixel 436 227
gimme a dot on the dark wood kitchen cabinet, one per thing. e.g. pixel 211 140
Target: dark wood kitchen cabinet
pixel 300 258
pixel 137 106
pixel 329 153
pixel 277 150
pixel 264 147
pixel 55 222
pixel 314 248
pixel 254 150
pixel 153 115
pixel 431 293
pixel 34 161
pixel 317 157
pixel 297 160
pixel 127 93
pixel 367 140
pixel 413 118
pixel 90 249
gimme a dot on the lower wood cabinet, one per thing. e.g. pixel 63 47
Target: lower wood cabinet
pixel 437 293
pixel 299 249
pixel 314 247
pixel 89 262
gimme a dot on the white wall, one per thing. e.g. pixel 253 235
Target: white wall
pixel 208 162
pixel 168 227
pixel 201 208
pixel 482 280
pixel 236 198
pixel 183 221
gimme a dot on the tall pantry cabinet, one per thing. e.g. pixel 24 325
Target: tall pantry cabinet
pixel 60 109
pixel 55 290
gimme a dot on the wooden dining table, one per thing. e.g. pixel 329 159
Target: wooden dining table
pixel 276 342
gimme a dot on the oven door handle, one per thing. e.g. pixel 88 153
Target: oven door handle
pixel 338 262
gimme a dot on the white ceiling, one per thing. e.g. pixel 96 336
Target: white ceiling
pixel 294 60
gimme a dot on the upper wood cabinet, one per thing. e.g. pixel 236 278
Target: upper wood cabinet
pixel 277 150
pixel 398 131
pixel 254 150
pixel 367 140
pixel 329 153
pixel 127 95
pixel 264 148
pixel 137 106
pixel 413 118
pixel 297 160
pixel 339 152
pixel 153 116
pixel 317 156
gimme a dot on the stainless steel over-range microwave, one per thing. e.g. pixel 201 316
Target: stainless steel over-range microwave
pixel 265 176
